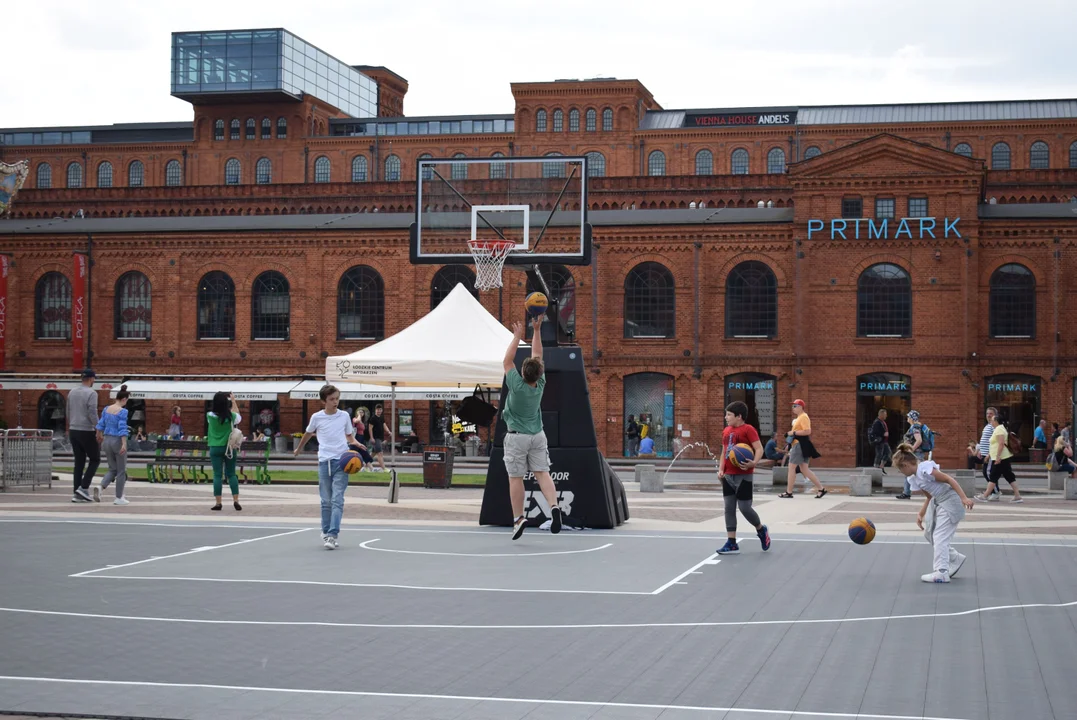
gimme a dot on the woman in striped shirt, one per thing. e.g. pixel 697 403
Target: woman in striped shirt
pixel 985 453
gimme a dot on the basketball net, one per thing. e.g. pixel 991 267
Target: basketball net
pixel 489 258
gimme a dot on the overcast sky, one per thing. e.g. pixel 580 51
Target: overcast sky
pixel 107 61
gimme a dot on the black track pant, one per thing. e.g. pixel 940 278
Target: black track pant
pixel 737 492
pixel 87 453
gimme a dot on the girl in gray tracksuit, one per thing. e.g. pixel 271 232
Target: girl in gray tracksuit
pixel 113 425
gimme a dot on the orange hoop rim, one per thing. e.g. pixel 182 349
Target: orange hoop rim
pixel 490 244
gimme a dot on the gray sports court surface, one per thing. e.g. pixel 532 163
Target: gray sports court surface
pixel 176 620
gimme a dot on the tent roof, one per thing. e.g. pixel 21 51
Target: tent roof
pixel 204 389
pixel 309 389
pixel 458 344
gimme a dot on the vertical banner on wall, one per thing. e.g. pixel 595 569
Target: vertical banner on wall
pixel 5 264
pixel 78 310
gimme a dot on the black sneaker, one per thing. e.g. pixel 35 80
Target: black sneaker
pixel 902 496
pixel 83 496
pixel 555 520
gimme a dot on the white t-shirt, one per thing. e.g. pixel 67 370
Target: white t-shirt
pixel 332 431
pixel 924 480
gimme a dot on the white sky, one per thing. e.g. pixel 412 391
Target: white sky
pixel 107 61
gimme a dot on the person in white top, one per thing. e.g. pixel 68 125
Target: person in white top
pixel 944 507
pixel 335 434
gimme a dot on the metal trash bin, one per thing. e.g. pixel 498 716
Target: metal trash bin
pixel 437 466
pixel 25 458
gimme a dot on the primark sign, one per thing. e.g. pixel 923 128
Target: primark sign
pixel 920 228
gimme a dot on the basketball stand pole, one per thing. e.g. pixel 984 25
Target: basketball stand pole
pixel 393 486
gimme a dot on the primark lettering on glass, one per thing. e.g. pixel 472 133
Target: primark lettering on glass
pixel 1012 387
pixel 872 229
pixel 761 385
pixel 885 387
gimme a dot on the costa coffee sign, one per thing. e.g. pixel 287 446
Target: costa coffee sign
pixel 740 119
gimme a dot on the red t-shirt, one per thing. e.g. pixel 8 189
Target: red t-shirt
pixel 734 436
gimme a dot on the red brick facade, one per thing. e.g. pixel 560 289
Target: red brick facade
pixel 816 354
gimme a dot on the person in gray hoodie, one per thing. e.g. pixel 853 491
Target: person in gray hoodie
pixel 85 438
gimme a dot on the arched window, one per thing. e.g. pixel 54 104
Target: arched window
pixel 136 174
pixel 44 175
pixel 322 169
pixel 131 316
pixel 233 129
pixel 428 172
pixel 562 291
pixel 459 170
pixel 573 120
pixel 704 162
pixel 1039 156
pixel 267 128
pixel 498 169
pixel 884 302
pixel 540 121
pixel 263 171
pixel 218 130
pixel 776 161
pixel 173 173
pixel 448 278
pixel 1000 156
pixel 52 412
pixel 656 163
pixel 553 169
pixel 1073 154
pixel 1012 308
pixel 649 302
pixel 590 120
pixel 751 301
pixel 558 120
pixel 963 149
pixel 359 168
pixel 104 175
pixel 812 152
pixel 360 305
pixel 596 164
pixel 282 128
pixel 232 172
pixel 52 307
pixel 607 120
pixel 271 307
pixel 74 175
pixel 250 128
pixel 392 168
pixel 216 307
pixel 739 162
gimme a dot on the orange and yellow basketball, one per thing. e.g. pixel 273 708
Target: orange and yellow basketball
pixel 536 304
pixel 861 531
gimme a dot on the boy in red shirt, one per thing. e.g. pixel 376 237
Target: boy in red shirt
pixel 737 481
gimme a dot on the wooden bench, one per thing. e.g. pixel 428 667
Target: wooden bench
pixel 188 461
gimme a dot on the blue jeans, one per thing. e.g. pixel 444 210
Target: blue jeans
pixel 331 487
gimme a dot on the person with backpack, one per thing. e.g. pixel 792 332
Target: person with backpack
pixel 1004 445
pixel 632 435
pixel 220 423
pixel 879 437
pixel 984 450
pixel 921 442
pixel 1062 458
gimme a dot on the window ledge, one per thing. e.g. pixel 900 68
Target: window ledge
pixel 279 340
pixel 215 340
pixel 652 338
pixel 141 340
pixel 1023 340
pixel 884 341
pixel 752 340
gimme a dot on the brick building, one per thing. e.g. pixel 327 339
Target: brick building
pixel 908 256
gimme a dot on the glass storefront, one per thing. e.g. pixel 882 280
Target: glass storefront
pixel 649 397
pixel 875 392
pixel 757 391
pixel 1017 398
pixel 52 412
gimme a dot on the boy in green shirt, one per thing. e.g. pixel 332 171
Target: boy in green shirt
pixel 525 442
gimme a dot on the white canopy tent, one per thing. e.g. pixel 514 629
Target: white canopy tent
pixel 458 344
pixel 205 389
pixel 309 389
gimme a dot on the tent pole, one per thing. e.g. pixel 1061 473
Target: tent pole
pixel 392 435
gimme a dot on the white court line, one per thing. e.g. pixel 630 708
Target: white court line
pixel 188 552
pixel 362 585
pixel 475 699
pixel 577 626
pixel 709 560
pixel 366 546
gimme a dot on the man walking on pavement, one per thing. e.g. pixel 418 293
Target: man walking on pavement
pixel 85 438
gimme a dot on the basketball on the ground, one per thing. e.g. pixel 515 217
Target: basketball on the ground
pixel 740 455
pixel 536 304
pixel 350 462
pixel 861 531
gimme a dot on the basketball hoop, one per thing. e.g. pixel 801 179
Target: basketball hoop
pixel 489 258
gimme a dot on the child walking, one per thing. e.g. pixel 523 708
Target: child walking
pixel 737 481
pixel 335 433
pixel 943 509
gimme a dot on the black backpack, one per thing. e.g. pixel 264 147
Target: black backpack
pixel 477 409
pixel 872 437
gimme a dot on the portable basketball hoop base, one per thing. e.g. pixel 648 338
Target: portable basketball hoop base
pixel 489 257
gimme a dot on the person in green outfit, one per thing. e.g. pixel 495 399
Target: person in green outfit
pixel 219 422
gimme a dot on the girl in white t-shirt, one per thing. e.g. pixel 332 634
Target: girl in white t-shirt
pixel 335 433
pixel 944 507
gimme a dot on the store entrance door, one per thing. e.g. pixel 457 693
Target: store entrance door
pixel 875 392
pixel 1017 398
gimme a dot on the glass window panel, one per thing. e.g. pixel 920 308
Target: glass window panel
pixel 322 170
pixel 173 173
pixel 1012 308
pixel 499 126
pixel 263 172
pixel 704 162
pixel 561 286
pixel 447 278
pixel 1000 156
pixel 44 176
pixel 739 162
pixel 656 163
pixel 216 307
pixel 558 121
pixel 132 318
pixel 607 119
pixel 918 207
pixel 884 302
pixel 884 208
pixel 540 121
pixel 360 305
pixel 359 168
pixel 573 120
pixel 776 161
pixel 852 208
pixel 596 164
pixel 466 126
pixel 1039 156
pixel 392 168
pixel 270 307
pixel 649 301
pixel 812 152
pixel 74 175
pixel 136 174
pixel 751 301
pixel 52 307
pixel 104 175
pixel 232 172
pixel 591 120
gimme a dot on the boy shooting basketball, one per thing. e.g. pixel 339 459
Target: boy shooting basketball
pixel 525 442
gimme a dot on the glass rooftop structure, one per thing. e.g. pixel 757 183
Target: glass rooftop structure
pixel 214 65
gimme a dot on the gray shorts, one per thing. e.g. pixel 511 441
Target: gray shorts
pixel 524 453
pixel 796 455
pixel 375 447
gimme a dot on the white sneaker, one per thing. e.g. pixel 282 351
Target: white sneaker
pixel 518 527
pixel 330 542
pixel 955 565
pixel 96 494
pixel 995 497
pixel 1017 500
pixel 935 577
pixel 979 498
pixel 121 501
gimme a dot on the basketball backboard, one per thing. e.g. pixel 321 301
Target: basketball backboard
pixel 538 204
